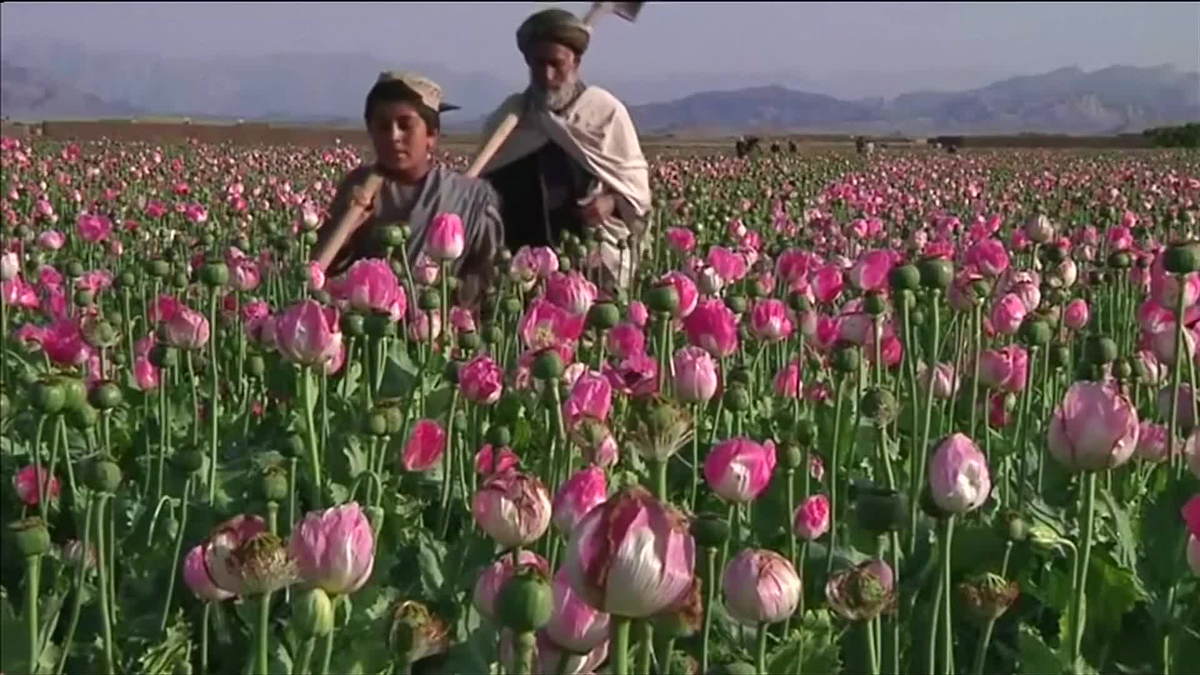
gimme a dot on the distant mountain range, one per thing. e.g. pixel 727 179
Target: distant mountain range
pixel 1120 99
pixel 22 92
pixel 50 80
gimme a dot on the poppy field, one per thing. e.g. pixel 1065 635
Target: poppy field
pixel 908 413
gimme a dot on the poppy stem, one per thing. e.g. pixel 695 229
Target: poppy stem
pixel 183 512
pixel 1176 376
pixel 947 624
pixel 620 628
pixel 327 650
pixel 33 574
pixel 696 468
pixel 762 649
pixel 77 605
pixel 164 445
pixel 922 451
pixel 872 651
pixel 710 573
pixel 214 401
pixel 1077 604
pixel 985 640
pixel 311 434
pixel 976 330
pixel 448 470
pixel 204 637
pixel 790 474
pixel 264 633
pixel 1023 430
pixel 103 572
pixel 43 484
pixel 659 471
pixel 646 648
pixel 834 473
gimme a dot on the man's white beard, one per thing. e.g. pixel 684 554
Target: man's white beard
pixel 554 100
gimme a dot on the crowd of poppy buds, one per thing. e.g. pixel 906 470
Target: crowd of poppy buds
pixel 906 413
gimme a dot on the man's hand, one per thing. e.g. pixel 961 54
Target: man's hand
pixel 599 209
pixel 364 199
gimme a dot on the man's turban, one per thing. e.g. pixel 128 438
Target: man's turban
pixel 554 25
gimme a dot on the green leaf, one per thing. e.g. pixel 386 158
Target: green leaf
pixel 1036 657
pixel 866 441
pixel 815 640
pixel 1060 487
pixel 356 456
pixel 13 653
pixel 1065 631
pixel 474 655
pixel 828 425
pixel 766 407
pixel 353 376
pixel 368 613
pixel 1120 589
pixel 279 661
pixel 437 403
pixel 400 373
pixel 976 547
pixel 1051 517
pixel 13 657
pixel 522 434
pixel 50 606
pixel 48 660
pixel 1187 646
pixel 170 654
pixel 508 410
pixel 17 359
pixel 1161 536
pixel 376 601
pixel 1053 589
pixel 431 556
pixel 337 493
pixel 619 480
pixel 1126 542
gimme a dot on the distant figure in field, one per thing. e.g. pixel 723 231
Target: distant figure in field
pixel 863 146
pixel 792 147
pixel 746 145
pixel 775 147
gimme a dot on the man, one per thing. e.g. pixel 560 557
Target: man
pixel 745 145
pixel 574 163
pixel 402 114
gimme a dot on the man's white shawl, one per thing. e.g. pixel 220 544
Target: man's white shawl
pixel 597 132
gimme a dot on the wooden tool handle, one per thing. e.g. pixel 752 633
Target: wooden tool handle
pixel 493 143
pixel 594 11
pixel 355 215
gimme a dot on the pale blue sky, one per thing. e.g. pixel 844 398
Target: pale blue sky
pixel 818 39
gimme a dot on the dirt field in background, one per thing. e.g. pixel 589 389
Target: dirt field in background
pixel 267 134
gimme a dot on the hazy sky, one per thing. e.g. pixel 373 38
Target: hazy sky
pixel 669 37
